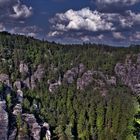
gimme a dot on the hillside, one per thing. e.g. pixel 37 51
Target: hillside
pixel 68 92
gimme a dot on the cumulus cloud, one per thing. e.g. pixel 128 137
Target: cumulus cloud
pixel 92 25
pixel 84 19
pixel 92 21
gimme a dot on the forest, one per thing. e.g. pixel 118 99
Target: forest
pixel 99 111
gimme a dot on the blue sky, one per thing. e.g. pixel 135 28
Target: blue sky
pixel 113 22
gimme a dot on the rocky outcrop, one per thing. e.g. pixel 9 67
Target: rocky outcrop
pixel 111 81
pixel 26 83
pixel 39 73
pixel 18 85
pixel 4 78
pixel 17 109
pixel 53 86
pixel 3 121
pixel 33 82
pixel 48 133
pixel 19 96
pixel 13 134
pixel 129 74
pixel 23 68
pixel 85 80
pixel 73 73
pixel 34 127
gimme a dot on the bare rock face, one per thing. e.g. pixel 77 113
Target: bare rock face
pixel 39 73
pixel 70 75
pixel 129 73
pixel 111 81
pixel 48 133
pixel 34 127
pixel 13 134
pixel 22 135
pixel 27 83
pixel 4 78
pixel 17 109
pixel 23 68
pixel 81 68
pixel 3 121
pixel 33 82
pixel 54 86
pixel 18 85
pixel 20 96
pixel 85 80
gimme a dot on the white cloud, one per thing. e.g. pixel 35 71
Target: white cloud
pixel 14 9
pixel 130 19
pixel 21 11
pixel 123 2
pixel 84 19
pixel 28 30
pixel 118 35
pixel 93 21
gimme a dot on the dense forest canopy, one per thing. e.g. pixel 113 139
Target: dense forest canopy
pixel 97 111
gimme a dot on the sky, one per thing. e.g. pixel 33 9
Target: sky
pixel 112 22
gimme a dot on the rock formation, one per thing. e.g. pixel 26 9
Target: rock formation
pixel 129 73
pixel 3 121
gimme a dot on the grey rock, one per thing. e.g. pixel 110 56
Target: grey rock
pixel 27 83
pixel 18 85
pixel 3 121
pixel 54 86
pixel 71 75
pixel 129 74
pixel 85 80
pixel 39 73
pixel 111 81
pixel 33 83
pixel 13 134
pixel 81 68
pixel 23 68
pixel 4 78
pixel 48 133
pixel 20 96
pixel 17 109
pixel 34 127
